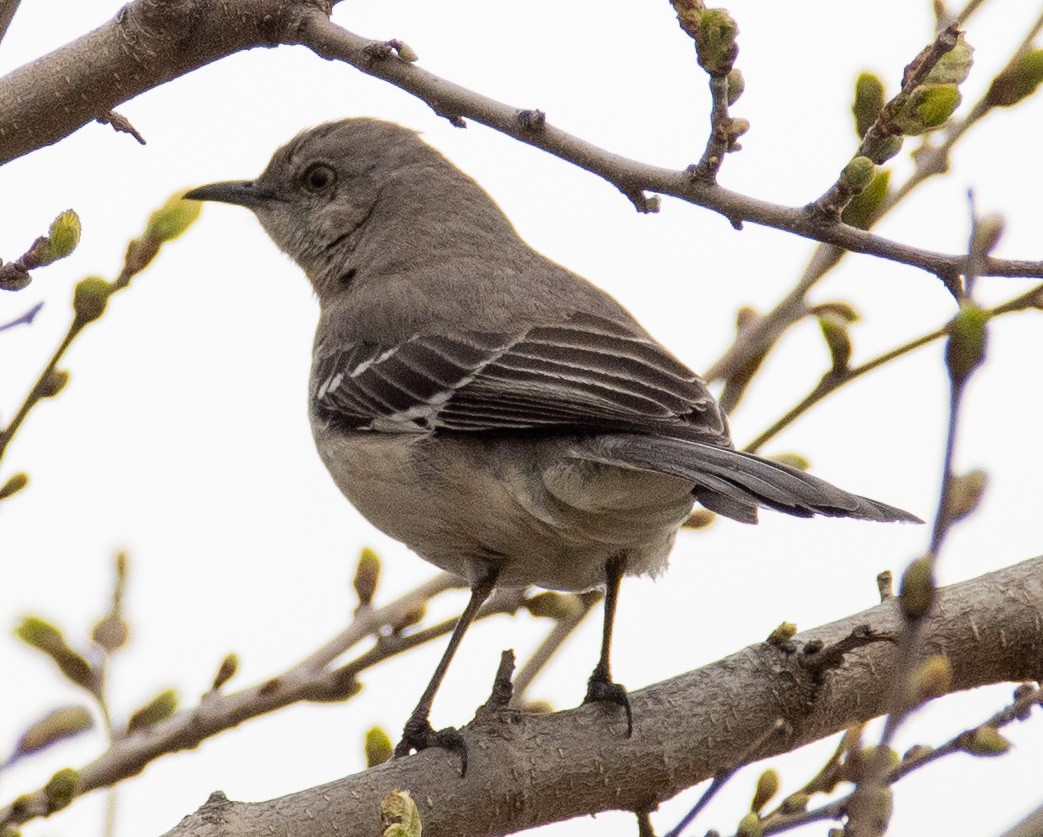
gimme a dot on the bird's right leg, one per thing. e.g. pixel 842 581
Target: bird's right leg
pixel 601 688
pixel 418 734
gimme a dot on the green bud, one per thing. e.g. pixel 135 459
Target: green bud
pixel 834 330
pixel 53 383
pixel 379 748
pixel 884 148
pixel 172 219
pixel 90 298
pixel 399 816
pixel 55 726
pixel 45 637
pixel 367 574
pixel 927 107
pixel 406 52
pixel 1018 82
pixel 857 174
pixel 862 211
pixel 715 32
pixel 737 126
pixel 14 484
pixel 736 85
pixel 869 101
pixel 551 605
pixel 968 337
pixel 782 634
pixel 954 66
pixel 965 493
pixel 795 803
pixel 917 592
pixel 767 787
pixel 792 459
pixel 917 752
pixel 750 826
pixel 226 671
pixel 60 241
pixel 161 707
pixel 931 679
pixel 61 789
pixel 986 741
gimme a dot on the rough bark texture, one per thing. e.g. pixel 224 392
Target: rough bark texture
pixel 531 770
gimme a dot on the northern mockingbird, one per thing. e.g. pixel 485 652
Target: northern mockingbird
pixel 500 415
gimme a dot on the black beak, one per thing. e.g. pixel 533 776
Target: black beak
pixel 240 192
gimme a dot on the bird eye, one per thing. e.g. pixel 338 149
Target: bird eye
pixel 318 177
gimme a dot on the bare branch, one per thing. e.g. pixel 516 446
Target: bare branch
pixel 533 769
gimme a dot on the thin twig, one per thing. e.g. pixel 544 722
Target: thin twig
pixel 779 727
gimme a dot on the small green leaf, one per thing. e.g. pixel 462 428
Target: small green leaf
pixel 15 483
pixel 767 787
pixel 61 789
pixel 968 338
pixel 715 32
pixel 172 219
pixel 56 725
pixel 931 679
pixel 90 298
pixel 45 637
pixel 917 592
pixel 60 241
pixel 927 107
pixel 226 671
pixel 862 211
pixel 954 66
pixel 161 707
pixel 869 101
pixel 367 575
pixel 965 493
pixel 986 741
pixel 379 748
pixel 1017 83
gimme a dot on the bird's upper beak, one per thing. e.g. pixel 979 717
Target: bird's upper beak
pixel 240 192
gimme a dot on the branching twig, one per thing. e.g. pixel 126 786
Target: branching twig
pixel 834 379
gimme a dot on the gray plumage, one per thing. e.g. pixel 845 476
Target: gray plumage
pixel 494 411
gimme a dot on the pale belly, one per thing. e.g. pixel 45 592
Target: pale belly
pixel 546 518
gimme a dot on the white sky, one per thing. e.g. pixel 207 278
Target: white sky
pixel 183 435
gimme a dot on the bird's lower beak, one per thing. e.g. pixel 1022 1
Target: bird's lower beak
pixel 240 192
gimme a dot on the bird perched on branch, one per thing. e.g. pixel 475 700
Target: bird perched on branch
pixel 500 415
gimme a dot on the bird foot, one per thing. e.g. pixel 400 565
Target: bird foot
pixel 600 689
pixel 418 735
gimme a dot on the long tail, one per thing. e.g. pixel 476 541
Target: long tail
pixel 734 484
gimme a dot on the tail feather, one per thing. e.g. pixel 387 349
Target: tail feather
pixel 734 483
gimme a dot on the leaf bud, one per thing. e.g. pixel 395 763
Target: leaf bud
pixel 90 298
pixel 379 748
pixel 869 101
pixel 917 591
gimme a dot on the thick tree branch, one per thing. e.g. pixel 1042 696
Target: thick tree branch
pixel 153 41
pixel 528 770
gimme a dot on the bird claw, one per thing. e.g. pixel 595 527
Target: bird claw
pixel 602 690
pixel 418 735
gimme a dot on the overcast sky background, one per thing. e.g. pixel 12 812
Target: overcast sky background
pixel 183 435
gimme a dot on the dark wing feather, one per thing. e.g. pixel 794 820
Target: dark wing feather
pixel 585 373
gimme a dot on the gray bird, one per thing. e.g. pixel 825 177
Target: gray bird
pixel 500 415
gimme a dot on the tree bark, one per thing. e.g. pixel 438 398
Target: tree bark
pixel 530 770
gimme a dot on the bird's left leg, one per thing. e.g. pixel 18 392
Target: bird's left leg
pixel 418 734
pixel 600 687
